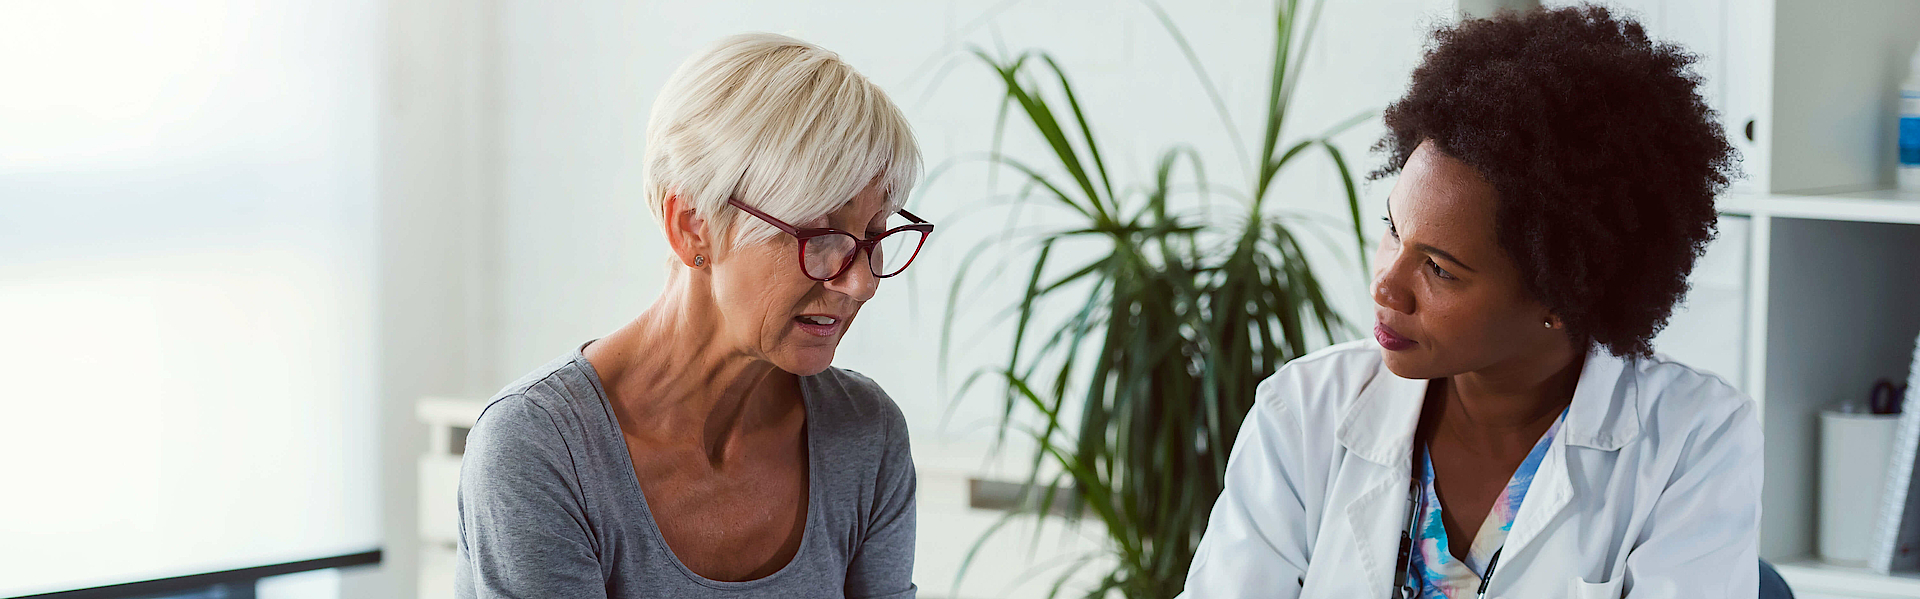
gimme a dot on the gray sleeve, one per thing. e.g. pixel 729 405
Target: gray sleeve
pixel 523 531
pixel 882 568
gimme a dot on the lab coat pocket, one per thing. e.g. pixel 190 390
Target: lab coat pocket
pixel 1581 589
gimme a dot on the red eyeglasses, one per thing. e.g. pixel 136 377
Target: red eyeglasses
pixel 825 254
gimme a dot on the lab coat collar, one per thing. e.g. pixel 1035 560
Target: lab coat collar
pixel 1378 426
pixel 1605 414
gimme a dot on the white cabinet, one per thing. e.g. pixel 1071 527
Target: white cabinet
pixel 448 421
pixel 957 506
pixel 1708 330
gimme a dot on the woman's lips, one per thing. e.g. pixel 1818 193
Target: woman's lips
pixel 1391 340
pixel 807 322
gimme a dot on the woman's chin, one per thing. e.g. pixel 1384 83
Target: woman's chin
pixel 805 361
pixel 1407 365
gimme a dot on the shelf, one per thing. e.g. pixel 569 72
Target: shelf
pixel 1877 206
pixel 1811 576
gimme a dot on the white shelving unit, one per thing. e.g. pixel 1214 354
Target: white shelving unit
pixel 1833 303
pixel 1812 579
pixel 1877 206
pixel 1813 290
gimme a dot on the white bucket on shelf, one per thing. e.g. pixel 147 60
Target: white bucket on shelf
pixel 1854 451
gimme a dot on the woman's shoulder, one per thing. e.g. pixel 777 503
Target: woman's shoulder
pixel 1665 373
pixel 854 403
pixel 532 418
pixel 1359 358
pixel 563 384
pixel 1681 400
pixel 1323 382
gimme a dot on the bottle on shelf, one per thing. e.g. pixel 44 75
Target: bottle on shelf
pixel 1909 176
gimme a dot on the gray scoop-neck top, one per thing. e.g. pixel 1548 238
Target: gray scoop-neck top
pixel 550 507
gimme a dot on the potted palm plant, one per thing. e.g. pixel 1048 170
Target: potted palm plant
pixel 1171 326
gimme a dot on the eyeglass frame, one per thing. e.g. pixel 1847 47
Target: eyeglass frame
pixel 915 223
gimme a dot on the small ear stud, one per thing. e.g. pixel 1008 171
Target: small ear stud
pixel 699 261
pixel 1548 324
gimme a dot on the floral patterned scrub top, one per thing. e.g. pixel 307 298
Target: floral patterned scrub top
pixel 1436 572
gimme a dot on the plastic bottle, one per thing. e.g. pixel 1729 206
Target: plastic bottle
pixel 1909 176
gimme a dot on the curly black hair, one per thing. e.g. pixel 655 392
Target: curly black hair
pixel 1605 158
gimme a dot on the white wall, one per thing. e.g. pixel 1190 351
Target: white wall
pixel 436 243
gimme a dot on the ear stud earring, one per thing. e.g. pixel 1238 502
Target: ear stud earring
pixel 699 261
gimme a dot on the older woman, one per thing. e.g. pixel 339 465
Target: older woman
pixel 708 448
pixel 1508 431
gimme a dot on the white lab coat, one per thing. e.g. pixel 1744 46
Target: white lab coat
pixel 1651 488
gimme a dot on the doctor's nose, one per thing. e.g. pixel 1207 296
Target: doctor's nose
pixel 1389 293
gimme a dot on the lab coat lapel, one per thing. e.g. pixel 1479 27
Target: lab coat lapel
pixel 1378 427
pixel 1376 517
pixel 1603 415
pixel 1549 494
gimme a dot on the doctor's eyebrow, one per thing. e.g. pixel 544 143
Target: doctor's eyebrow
pixel 1443 254
pixel 1428 248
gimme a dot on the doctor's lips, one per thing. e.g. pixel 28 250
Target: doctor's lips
pixel 1391 340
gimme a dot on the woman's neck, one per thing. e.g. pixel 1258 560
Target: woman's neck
pixel 674 378
pixel 1509 405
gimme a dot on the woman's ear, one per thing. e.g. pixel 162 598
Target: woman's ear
pixel 687 233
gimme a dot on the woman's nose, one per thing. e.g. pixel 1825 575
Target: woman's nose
pixel 1388 291
pixel 858 281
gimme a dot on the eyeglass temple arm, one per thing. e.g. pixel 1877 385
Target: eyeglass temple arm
pixel 780 224
pixel 735 202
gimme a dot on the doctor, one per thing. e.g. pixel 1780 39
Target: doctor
pixel 1508 431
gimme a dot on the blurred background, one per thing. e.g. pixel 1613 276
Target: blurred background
pixel 261 261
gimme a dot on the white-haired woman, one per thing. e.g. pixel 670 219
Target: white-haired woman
pixel 708 448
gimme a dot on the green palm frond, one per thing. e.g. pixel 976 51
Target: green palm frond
pixel 1166 333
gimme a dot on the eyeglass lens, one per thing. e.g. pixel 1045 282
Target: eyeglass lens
pixel 825 254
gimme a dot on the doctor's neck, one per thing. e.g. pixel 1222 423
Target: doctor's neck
pixel 1522 394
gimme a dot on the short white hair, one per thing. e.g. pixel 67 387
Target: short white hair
pixel 779 123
